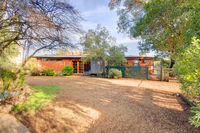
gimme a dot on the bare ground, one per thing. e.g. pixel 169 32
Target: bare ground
pixel 110 106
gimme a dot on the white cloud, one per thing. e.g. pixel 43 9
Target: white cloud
pixel 98 10
pixel 127 40
pixel 88 25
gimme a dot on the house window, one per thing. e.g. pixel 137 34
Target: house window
pixel 45 59
pixel 135 62
pixel 145 61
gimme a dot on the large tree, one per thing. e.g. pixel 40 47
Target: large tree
pixel 96 43
pixel 166 26
pixel 37 25
pixel 100 45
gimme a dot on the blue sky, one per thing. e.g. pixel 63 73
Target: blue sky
pixel 97 12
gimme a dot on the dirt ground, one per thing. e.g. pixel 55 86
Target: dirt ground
pixel 96 105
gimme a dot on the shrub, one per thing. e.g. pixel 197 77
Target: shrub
pixel 7 78
pixel 36 72
pixel 195 120
pixel 49 72
pixel 22 79
pixel 100 74
pixel 67 70
pixel 188 70
pixel 114 73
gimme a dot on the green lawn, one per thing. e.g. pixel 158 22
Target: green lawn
pixel 41 96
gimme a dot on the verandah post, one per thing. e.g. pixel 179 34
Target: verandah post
pixel 147 72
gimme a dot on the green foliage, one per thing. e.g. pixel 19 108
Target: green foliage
pixel 31 64
pixel 98 45
pixel 7 78
pixel 188 70
pixel 195 120
pixel 100 75
pixel 42 95
pixel 114 73
pixel 22 79
pixel 49 72
pixel 166 63
pixel 67 70
pixel 116 55
pixel 6 58
pixel 166 26
pixel 36 72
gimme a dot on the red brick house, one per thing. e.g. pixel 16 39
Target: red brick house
pixel 140 61
pixel 57 62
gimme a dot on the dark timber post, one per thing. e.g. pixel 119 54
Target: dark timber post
pixel 147 72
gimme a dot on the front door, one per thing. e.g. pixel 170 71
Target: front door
pixel 75 63
pixel 78 67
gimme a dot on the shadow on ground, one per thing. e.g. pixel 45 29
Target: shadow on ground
pixel 95 105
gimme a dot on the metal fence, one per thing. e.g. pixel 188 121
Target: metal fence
pixel 140 72
pixel 156 71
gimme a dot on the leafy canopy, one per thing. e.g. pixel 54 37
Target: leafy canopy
pixel 116 55
pixel 99 45
pixel 166 26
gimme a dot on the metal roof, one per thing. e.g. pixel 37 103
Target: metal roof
pixel 60 56
pixel 81 56
pixel 130 56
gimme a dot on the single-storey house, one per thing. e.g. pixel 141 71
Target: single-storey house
pixel 57 62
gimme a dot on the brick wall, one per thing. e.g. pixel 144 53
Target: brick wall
pixel 56 65
pixel 141 62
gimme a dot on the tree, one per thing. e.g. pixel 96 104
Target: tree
pixel 37 25
pixel 116 55
pixel 96 43
pixel 69 52
pixel 8 53
pixel 166 26
pixel 142 54
pixel 99 45
pixel 6 59
pixel 8 27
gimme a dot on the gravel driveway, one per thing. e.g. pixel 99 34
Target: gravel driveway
pixel 96 105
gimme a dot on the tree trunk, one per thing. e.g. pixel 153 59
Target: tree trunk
pixel 17 76
pixel 103 67
pixel 172 63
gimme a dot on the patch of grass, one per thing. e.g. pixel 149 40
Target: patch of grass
pixel 41 96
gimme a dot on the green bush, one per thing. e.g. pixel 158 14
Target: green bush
pixel 188 71
pixel 114 73
pixel 22 79
pixel 36 72
pixel 49 72
pixel 195 120
pixel 67 70
pixel 7 78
